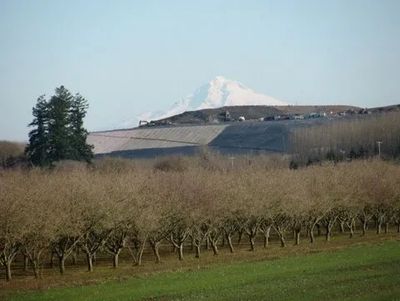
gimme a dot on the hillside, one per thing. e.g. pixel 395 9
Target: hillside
pixel 266 129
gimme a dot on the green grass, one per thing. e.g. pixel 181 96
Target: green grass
pixel 362 272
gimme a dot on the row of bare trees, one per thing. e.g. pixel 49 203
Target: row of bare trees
pixel 351 138
pixel 95 211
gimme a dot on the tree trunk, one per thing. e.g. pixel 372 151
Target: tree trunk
pixel 62 264
pixel 252 243
pixel 398 228
pixel 364 228
pixel 282 239
pixel 154 247
pixel 351 228
pixel 214 247
pixel 8 270
pixel 378 228
pixel 386 228
pixel 140 254
pixel 75 256
pixel 181 251
pixel 328 233
pixel 229 240
pixel 266 237
pixel 115 260
pixel 341 224
pixel 26 263
pixel 297 238
pixel 240 234
pixel 89 259
pixel 312 238
pixel 197 251
pixel 35 267
pixel 207 243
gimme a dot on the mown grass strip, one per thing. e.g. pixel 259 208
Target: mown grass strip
pixel 363 272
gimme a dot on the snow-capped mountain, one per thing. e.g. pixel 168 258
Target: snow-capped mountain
pixel 219 92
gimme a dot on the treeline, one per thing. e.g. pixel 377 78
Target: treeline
pixel 108 210
pixel 348 139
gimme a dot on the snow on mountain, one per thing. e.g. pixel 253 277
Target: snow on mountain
pixel 219 92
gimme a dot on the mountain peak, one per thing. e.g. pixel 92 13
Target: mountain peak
pixel 221 92
pixel 220 78
pixel 218 92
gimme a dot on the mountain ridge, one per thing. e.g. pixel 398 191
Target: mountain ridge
pixel 253 112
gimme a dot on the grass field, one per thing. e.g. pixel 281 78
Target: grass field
pixel 359 272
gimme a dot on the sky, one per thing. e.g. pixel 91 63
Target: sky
pixel 130 57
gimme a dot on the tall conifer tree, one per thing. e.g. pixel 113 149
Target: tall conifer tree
pixel 37 150
pixel 59 133
pixel 78 134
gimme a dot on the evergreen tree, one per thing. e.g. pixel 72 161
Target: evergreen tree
pixel 79 149
pixel 38 138
pixel 59 106
pixel 59 133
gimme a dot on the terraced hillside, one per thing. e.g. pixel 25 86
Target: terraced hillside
pixel 148 142
pixel 235 137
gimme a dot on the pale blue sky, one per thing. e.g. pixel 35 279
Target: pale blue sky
pixel 128 57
